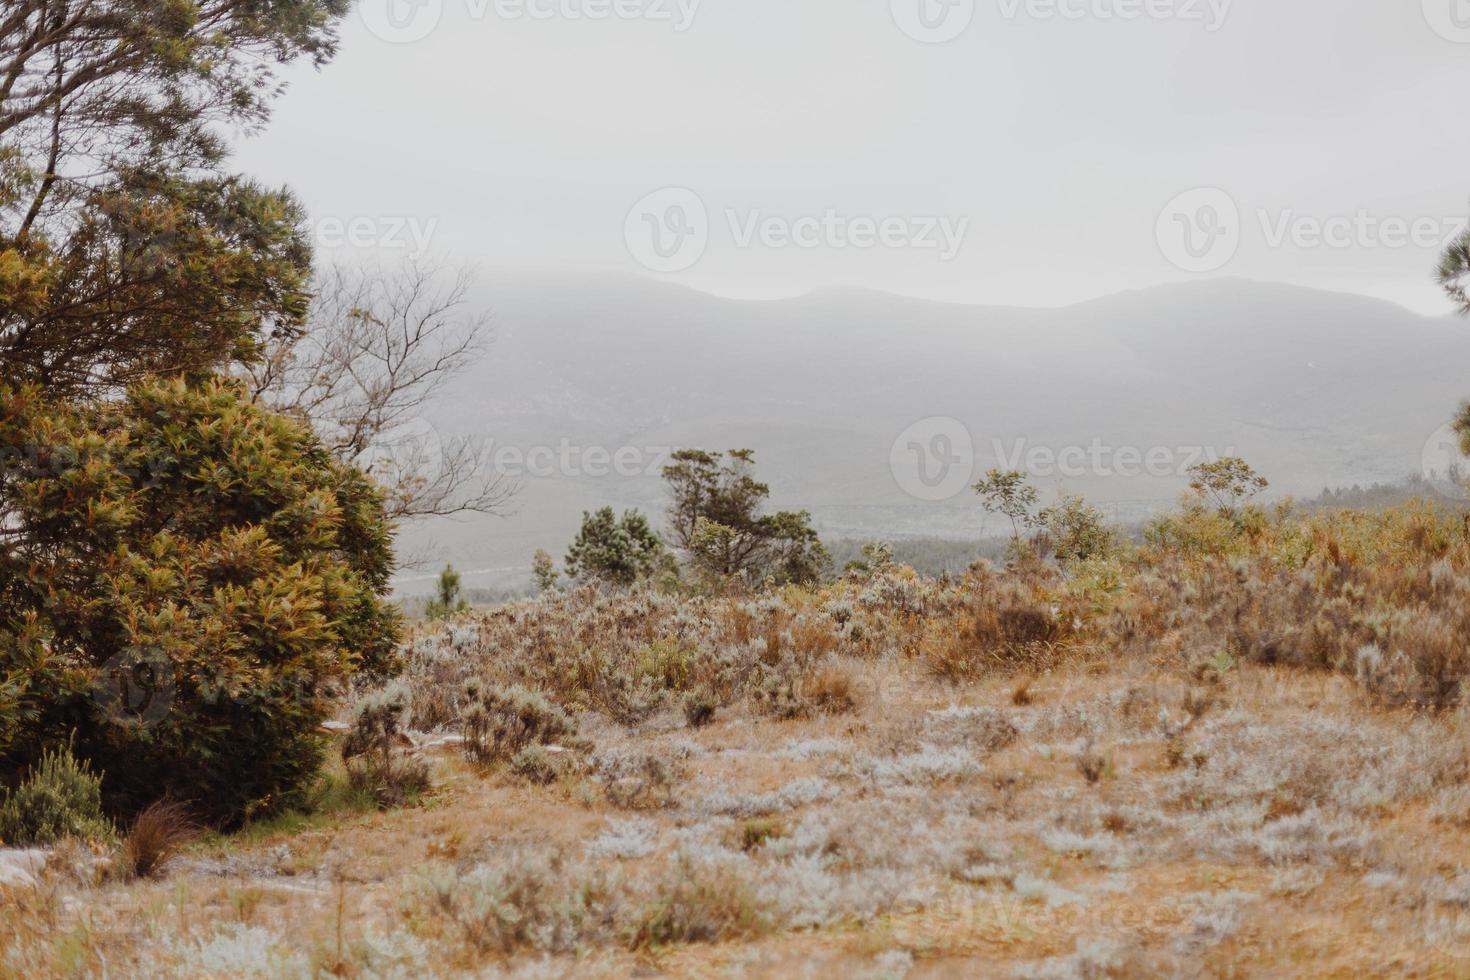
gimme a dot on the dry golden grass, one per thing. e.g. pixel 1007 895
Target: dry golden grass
pixel 1177 763
pixel 156 836
pixel 350 893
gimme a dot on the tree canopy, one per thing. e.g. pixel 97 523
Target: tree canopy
pixel 125 249
pixel 716 521
pixel 620 551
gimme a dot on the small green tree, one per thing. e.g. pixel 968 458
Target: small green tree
pixel 1453 272
pixel 716 521
pixel 715 548
pixel 1076 530
pixel 876 556
pixel 447 601
pixel 1227 482
pixel 619 551
pixel 127 249
pixel 1006 492
pixel 795 554
pixel 543 569
pixel 1454 275
pixel 1461 425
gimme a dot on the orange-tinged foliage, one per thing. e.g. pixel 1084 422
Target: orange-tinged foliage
pixel 183 574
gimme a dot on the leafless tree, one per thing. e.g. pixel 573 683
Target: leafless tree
pixel 378 345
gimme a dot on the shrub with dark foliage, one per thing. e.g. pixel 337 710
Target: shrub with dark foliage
pixel 620 551
pixel 183 579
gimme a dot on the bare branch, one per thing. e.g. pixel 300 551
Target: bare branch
pixel 379 344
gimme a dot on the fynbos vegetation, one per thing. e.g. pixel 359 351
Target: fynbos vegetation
pixel 1229 738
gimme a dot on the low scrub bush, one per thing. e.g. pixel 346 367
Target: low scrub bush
pixel 638 780
pixel 831 689
pixel 61 798
pixel 698 903
pixel 525 905
pixel 1207 589
pixel 782 690
pixel 1393 614
pixel 437 670
pixel 699 709
pixel 755 832
pixel 499 723
pixel 1002 622
pixel 535 765
pixel 373 750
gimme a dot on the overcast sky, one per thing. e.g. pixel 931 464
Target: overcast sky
pixel 1029 152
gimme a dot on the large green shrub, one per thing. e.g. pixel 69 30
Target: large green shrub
pixel 185 576
pixel 60 798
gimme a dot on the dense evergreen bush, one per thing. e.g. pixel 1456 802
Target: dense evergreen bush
pixel 620 551
pixel 184 579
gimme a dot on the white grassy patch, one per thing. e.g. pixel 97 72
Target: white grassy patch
pixel 980 728
pixel 238 950
pixel 895 964
pixel 926 767
pixel 625 840
pixel 805 891
pixel 1092 959
pixel 814 748
pixel 1311 837
pixel 797 793
pixel 1032 888
pixel 1216 917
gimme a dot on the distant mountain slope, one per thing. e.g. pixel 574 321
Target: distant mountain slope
pixel 1314 388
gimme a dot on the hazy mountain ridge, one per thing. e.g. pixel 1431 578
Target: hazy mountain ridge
pixel 1315 388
